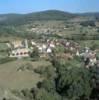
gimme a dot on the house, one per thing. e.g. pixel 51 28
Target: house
pixel 52 45
pixel 49 50
pixel 89 58
pixel 93 59
pixel 44 47
pixel 20 49
pixel 33 43
pixel 20 52
pixel 41 47
pixel 87 49
pixel 67 44
pixel 77 53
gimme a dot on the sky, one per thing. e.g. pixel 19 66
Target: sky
pixel 27 6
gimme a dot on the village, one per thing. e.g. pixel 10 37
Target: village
pixel 23 48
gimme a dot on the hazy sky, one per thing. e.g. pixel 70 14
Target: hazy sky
pixel 26 6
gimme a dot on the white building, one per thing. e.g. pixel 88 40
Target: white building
pixel 77 53
pixel 49 50
pixel 52 45
pixel 33 43
pixel 40 49
pixel 20 49
pixel 20 52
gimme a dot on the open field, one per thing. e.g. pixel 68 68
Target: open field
pixel 11 78
pixel 88 43
pixel 3 46
pixel 3 50
pixel 9 38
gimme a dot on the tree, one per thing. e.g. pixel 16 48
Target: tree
pixel 48 85
pixel 73 82
pixel 95 78
pixel 35 54
pixel 42 94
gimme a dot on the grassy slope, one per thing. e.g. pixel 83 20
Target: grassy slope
pixel 10 78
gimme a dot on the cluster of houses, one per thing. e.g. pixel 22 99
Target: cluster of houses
pixel 44 47
pixel 21 49
pixel 89 57
pixel 47 30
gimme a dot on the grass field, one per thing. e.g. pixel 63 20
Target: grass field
pixel 11 78
pixel 3 46
pixel 88 43
pixel 3 50
pixel 9 38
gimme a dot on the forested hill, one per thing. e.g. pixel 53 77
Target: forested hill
pixel 27 18
pixel 22 24
pixel 19 19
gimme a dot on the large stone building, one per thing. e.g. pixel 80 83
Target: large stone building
pixel 20 49
pixel 20 52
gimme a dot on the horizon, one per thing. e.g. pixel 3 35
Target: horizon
pixel 32 6
pixel 49 10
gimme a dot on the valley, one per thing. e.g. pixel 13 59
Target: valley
pixel 49 54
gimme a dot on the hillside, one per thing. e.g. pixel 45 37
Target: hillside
pixel 45 22
pixel 49 55
pixel 43 15
pixel 19 19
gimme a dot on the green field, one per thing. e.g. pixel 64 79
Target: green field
pixel 12 79
pixel 88 43
pixel 3 50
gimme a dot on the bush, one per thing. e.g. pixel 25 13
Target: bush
pixel 7 59
pixel 47 72
pixel 42 94
pixel 88 23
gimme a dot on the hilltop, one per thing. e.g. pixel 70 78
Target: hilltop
pixel 17 19
pixel 43 15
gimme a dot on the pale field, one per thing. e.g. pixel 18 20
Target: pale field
pixel 12 79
